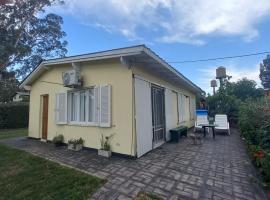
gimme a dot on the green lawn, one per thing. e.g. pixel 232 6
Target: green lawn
pixel 146 196
pixel 24 176
pixel 11 133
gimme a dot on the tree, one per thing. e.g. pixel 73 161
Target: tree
pixel 244 89
pixel 28 34
pixel 228 99
pixel 221 103
pixel 9 85
pixel 265 72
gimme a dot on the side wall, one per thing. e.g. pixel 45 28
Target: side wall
pixel 109 72
pixel 145 74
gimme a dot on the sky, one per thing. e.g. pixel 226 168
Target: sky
pixel 177 30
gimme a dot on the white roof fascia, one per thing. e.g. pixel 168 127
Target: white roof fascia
pixel 97 56
pixel 114 53
pixel 83 58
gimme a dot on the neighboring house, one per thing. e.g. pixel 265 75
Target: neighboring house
pixel 21 96
pixel 129 92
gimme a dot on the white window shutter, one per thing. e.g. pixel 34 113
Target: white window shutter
pixel 61 108
pixel 105 106
pixel 96 106
pixel 192 108
pixel 181 111
pixel 56 109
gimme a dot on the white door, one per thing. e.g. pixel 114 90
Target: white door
pixel 170 111
pixel 143 117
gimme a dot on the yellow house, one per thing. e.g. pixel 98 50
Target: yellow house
pixel 129 92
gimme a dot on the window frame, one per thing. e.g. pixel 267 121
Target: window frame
pixel 93 123
pixel 69 104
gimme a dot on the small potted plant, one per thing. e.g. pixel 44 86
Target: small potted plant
pixel 105 146
pixel 75 144
pixel 58 140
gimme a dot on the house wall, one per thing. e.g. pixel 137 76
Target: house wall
pixel 149 76
pixel 94 73
pixel 17 98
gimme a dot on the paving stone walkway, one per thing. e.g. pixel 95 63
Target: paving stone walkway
pixel 217 169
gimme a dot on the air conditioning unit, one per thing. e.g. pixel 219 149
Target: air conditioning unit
pixel 71 78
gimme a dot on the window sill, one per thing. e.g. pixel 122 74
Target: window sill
pixel 79 124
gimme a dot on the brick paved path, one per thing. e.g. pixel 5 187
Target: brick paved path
pixel 216 170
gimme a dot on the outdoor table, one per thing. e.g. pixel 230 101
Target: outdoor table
pixel 204 126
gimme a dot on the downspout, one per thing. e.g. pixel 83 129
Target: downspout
pixel 134 142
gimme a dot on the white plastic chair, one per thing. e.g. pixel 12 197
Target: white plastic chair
pixel 222 123
pixel 201 119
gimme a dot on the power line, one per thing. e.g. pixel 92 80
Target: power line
pixel 209 59
pixel 220 58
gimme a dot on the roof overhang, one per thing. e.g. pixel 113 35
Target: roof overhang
pixel 136 55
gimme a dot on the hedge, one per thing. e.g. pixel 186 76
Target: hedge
pixel 14 115
pixel 254 124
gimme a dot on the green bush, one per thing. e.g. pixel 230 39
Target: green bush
pixel 58 140
pixel 265 165
pixel 223 104
pixel 254 124
pixel 14 115
pixel 76 141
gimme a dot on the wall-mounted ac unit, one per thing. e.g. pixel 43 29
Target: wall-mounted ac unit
pixel 71 78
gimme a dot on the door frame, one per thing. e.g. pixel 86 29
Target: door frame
pixel 44 117
pixel 157 144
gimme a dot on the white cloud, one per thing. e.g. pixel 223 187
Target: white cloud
pixel 237 73
pixel 184 21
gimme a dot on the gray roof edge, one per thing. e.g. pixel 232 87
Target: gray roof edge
pixel 100 54
pixel 125 51
pixel 168 66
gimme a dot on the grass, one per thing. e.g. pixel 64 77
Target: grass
pixel 146 196
pixel 24 176
pixel 11 133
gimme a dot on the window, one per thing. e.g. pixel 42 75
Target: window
pixel 88 107
pixel 78 104
pixel 73 98
pixel 83 106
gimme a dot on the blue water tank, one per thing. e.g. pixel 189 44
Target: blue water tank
pixel 201 112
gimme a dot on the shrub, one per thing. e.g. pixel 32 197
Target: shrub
pixel 76 141
pixel 105 142
pixel 14 115
pixel 254 124
pixel 223 104
pixel 265 164
pixel 58 140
